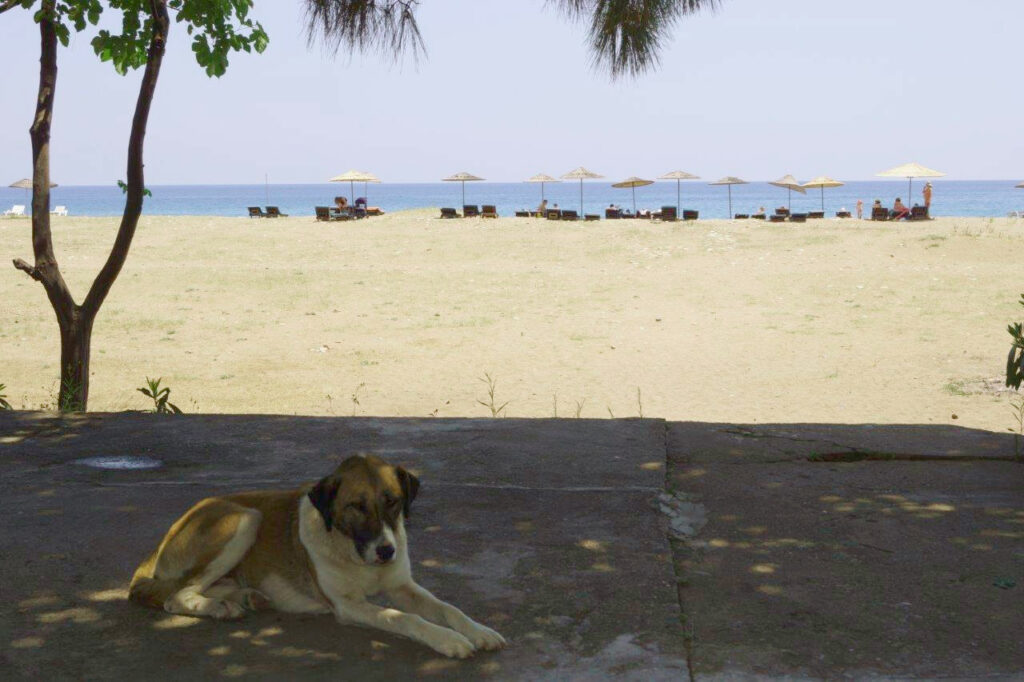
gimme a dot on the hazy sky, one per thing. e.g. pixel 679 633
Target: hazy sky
pixel 758 89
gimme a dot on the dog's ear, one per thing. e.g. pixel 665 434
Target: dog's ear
pixel 410 486
pixel 322 496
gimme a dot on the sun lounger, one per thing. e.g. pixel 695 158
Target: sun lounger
pixel 275 212
pixel 489 211
pixel 741 216
pixel 256 212
pixel 782 212
pixel 777 218
pixel 1015 214
pixel 322 212
pixel 843 214
pixel 919 213
pixel 522 214
pixel 591 217
pixel 816 215
pixel 880 213
pixel 59 210
pixel 449 213
pixel 374 211
pixel 329 213
pixel 690 215
pixel 554 214
pixel 798 217
pixel 668 213
pixel 470 211
pixel 612 214
pixel 758 216
pixel 570 215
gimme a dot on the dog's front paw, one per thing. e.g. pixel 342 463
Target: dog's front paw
pixel 450 643
pixel 483 637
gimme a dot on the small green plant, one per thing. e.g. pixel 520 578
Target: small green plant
pixel 4 405
pixel 355 397
pixel 124 189
pixel 71 392
pixel 1017 410
pixel 579 407
pixel 490 403
pixel 1015 361
pixel 161 404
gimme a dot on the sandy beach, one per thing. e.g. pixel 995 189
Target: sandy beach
pixel 734 321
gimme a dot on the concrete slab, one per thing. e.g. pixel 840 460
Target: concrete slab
pixel 543 529
pixel 906 562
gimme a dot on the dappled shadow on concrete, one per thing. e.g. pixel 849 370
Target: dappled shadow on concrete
pixel 823 550
pixel 798 549
pixel 543 530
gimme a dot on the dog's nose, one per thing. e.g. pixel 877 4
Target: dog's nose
pixel 385 552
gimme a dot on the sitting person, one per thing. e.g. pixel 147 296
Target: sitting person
pixel 360 202
pixel 340 204
pixel 543 208
pixel 760 211
pixel 899 211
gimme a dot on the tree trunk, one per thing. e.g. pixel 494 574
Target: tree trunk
pixel 76 321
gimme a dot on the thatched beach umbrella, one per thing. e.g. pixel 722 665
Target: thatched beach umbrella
pixel 352 177
pixel 729 181
pixel 677 176
pixel 542 178
pixel 790 184
pixel 370 177
pixel 581 174
pixel 823 182
pixel 910 171
pixel 26 185
pixel 632 183
pixel 463 178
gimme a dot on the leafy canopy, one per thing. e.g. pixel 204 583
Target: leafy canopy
pixel 217 27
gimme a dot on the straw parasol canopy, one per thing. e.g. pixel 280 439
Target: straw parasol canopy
pixel 581 174
pixel 542 178
pixel 910 171
pixel 823 182
pixel 352 177
pixel 462 177
pixel 26 185
pixel 632 183
pixel 729 181
pixel 790 184
pixel 677 176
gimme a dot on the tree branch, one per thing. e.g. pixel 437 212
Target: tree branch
pixel 8 4
pixel 31 271
pixel 136 183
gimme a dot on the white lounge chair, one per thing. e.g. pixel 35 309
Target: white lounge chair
pixel 59 210
pixel 16 210
pixel 1015 214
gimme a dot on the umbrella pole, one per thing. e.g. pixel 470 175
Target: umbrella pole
pixel 679 211
pixel 352 191
pixel 581 197
pixel 463 194
pixel 823 198
pixel 634 200
pixel 910 182
pixel 729 217
pixel 789 205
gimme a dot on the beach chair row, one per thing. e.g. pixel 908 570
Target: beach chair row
pixel 471 211
pixel 271 212
pixel 667 213
pixel 916 213
pixel 18 211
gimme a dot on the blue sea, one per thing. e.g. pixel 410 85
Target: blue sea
pixel 951 197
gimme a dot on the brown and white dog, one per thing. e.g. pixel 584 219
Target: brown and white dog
pixel 319 549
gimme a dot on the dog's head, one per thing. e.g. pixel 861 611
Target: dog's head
pixel 366 499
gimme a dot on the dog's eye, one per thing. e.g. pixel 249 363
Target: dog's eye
pixel 357 506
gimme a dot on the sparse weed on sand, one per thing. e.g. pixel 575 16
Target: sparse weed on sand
pixel 161 404
pixel 490 403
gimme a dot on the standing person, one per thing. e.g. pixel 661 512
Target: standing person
pixel 860 209
pixel 927 193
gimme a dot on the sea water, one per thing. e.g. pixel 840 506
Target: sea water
pixel 950 197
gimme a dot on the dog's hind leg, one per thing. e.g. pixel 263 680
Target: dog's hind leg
pixel 205 545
